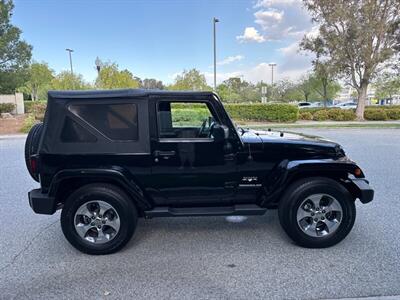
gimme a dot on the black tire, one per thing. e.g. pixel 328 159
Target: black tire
pixel 294 197
pixel 32 147
pixel 112 195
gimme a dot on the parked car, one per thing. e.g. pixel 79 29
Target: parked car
pixel 304 105
pixel 107 158
pixel 309 104
pixel 346 105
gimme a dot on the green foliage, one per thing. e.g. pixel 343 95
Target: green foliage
pixel 234 90
pixel 375 115
pixel 7 107
pixel 321 115
pixel 28 123
pixel 36 109
pixel 40 77
pixel 393 114
pixel 191 80
pixel 337 114
pixel 387 85
pixel 305 115
pixel 355 37
pixel 29 105
pixel 67 81
pixel 110 77
pixel 263 112
pixel 306 89
pixel 15 53
pixel 151 84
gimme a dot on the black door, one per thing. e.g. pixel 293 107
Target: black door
pixel 189 166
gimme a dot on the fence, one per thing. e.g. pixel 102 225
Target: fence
pixel 17 99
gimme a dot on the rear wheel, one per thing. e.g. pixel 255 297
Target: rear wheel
pixel 317 212
pixel 32 147
pixel 98 219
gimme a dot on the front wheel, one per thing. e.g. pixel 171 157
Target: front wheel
pixel 317 212
pixel 98 219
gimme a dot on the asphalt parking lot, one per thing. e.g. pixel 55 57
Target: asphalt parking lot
pixel 203 258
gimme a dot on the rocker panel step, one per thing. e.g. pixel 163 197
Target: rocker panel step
pixel 241 209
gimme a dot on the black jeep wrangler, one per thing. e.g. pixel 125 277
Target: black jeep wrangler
pixel 107 158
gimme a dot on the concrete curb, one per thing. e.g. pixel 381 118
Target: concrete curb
pixel 13 136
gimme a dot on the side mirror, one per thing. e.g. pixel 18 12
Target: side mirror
pixel 220 132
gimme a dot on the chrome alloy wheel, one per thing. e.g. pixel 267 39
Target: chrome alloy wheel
pixel 97 222
pixel 319 215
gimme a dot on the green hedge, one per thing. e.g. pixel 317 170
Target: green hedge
pixel 29 105
pixel 263 112
pixel 376 115
pixel 7 107
pixel 244 112
pixel 372 113
pixel 305 115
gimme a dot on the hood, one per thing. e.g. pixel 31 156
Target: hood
pixel 300 144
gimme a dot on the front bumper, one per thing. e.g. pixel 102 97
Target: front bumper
pixel 42 203
pixel 365 192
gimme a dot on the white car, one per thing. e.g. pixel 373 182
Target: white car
pixel 309 104
pixel 346 105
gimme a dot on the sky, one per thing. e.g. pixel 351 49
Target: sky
pixel 161 38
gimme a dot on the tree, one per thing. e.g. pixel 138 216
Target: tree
pixel 152 84
pixel 284 91
pixel 40 77
pixel 15 53
pixel 322 82
pixel 190 80
pixel 356 37
pixel 67 81
pixel 387 85
pixel 306 88
pixel 235 90
pixel 110 77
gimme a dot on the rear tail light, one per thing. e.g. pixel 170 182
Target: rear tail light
pixel 34 164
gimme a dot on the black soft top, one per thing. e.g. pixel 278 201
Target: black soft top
pixel 121 93
pixel 61 122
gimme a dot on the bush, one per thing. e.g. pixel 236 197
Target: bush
pixel 305 115
pixel 28 123
pixel 37 108
pixel 7 107
pixel 29 105
pixel 393 114
pixel 383 107
pixel 321 115
pixel 337 114
pixel 263 112
pixel 375 114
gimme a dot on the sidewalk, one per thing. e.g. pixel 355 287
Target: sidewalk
pixel 13 136
pixel 324 124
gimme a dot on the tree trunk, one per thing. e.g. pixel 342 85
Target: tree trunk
pixel 362 97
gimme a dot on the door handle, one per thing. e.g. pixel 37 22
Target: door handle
pixel 164 153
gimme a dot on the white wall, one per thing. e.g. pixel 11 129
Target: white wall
pixel 17 99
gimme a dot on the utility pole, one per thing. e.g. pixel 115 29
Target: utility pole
pixel 70 59
pixel 215 21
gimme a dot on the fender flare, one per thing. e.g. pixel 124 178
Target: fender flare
pixel 288 171
pixel 115 175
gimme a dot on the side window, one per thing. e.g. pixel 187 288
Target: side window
pixel 72 132
pixel 117 121
pixel 184 120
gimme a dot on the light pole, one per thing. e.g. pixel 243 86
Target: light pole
pixel 272 65
pixel 70 59
pixel 215 21
pixel 97 62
